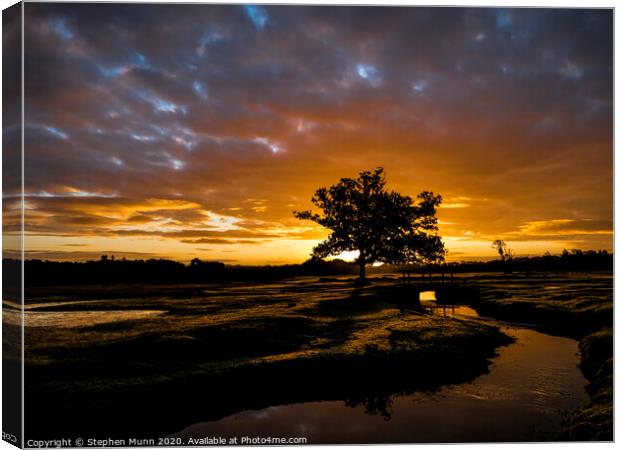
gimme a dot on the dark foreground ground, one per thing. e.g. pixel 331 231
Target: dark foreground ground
pixel 132 361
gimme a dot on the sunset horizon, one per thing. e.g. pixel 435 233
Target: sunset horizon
pixel 200 141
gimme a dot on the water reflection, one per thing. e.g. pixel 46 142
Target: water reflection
pixel 428 300
pixel 451 310
pixel 376 404
pixel 523 398
pixel 427 296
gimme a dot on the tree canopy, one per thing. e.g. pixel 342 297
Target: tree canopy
pixel 505 253
pixel 382 225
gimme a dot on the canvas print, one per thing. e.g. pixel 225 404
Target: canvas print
pixel 235 224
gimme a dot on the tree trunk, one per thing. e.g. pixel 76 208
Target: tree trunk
pixel 362 262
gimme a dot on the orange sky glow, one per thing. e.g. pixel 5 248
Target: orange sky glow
pixel 198 130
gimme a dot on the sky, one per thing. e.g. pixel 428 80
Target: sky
pixel 187 131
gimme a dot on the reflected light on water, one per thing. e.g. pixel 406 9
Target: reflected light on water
pixel 427 296
pixel 531 384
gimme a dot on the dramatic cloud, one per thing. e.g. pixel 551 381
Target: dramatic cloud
pixel 155 129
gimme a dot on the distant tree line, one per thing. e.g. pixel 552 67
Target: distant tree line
pixel 108 271
pixel 568 260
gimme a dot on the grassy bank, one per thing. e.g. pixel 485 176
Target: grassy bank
pixel 180 359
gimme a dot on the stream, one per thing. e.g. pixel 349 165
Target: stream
pixel 531 385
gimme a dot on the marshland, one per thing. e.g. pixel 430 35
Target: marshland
pixel 325 358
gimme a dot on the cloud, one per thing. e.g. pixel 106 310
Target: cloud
pixel 160 115
pixel 257 15
pixel 562 229
pixel 454 205
pixel 223 241
pixel 369 73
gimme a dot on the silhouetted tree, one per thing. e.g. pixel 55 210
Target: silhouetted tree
pixel 374 404
pixel 505 253
pixel 195 262
pixel 382 225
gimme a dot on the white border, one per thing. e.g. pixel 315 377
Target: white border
pixel 477 3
